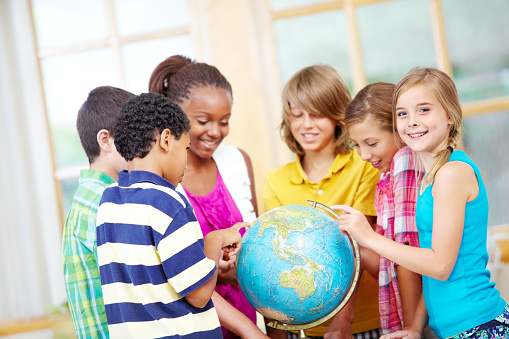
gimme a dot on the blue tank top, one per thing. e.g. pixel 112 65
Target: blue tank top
pixel 468 298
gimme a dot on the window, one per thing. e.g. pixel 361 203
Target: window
pixel 85 44
pixel 381 40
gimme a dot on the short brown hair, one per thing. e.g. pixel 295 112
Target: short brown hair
pixel 319 90
pixel 98 112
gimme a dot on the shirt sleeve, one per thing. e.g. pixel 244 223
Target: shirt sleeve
pixel 405 188
pixel 365 196
pixel 182 254
pixel 270 198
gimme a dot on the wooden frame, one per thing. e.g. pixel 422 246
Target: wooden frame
pixel 442 58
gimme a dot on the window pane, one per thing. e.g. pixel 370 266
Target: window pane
pixel 135 17
pixel 486 139
pixel 393 42
pixel 321 39
pixel 141 58
pixel 277 5
pixel 62 22
pixel 69 187
pixel 67 81
pixel 477 37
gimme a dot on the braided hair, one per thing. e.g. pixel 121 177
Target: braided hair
pixel 443 88
pixel 176 76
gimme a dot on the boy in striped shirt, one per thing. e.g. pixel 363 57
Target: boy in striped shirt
pixel 158 272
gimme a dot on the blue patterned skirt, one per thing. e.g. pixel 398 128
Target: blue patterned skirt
pixel 495 329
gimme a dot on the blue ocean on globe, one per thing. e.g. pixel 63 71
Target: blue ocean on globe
pixel 295 266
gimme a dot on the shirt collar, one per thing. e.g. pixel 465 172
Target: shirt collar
pixel 126 179
pixel 93 175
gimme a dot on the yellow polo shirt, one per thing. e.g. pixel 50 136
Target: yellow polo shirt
pixel 349 181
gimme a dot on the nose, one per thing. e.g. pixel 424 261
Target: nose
pixel 213 130
pixel 412 119
pixel 308 120
pixel 365 155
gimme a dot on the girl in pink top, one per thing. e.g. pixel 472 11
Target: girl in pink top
pixel 219 179
pixel 368 119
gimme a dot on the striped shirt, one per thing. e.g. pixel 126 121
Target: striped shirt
pixel 395 200
pixel 151 255
pixel 81 272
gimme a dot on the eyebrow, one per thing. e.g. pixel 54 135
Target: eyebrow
pixel 425 103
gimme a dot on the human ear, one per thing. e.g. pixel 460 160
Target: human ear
pixel 165 140
pixel 105 140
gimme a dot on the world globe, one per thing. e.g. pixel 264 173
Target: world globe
pixel 296 267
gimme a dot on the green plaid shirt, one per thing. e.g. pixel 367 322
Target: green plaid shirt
pixel 81 272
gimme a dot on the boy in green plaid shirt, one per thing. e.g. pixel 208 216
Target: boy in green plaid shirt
pixel 81 272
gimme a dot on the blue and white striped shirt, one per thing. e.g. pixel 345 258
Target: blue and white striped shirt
pixel 151 255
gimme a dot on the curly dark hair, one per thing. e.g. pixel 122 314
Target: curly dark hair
pixel 142 118
pixel 176 76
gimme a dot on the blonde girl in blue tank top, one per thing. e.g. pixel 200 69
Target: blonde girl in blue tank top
pixel 458 298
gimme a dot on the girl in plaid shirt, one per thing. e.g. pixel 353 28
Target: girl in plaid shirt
pixel 368 119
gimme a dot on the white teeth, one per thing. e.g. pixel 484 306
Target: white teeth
pixel 308 135
pixel 209 143
pixel 417 135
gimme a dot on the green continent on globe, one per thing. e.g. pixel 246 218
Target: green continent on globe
pixel 283 222
pixel 301 280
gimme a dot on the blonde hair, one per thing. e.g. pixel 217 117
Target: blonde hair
pixel 443 88
pixel 319 90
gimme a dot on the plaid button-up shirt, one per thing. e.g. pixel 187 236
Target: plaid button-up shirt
pixel 81 271
pixel 395 200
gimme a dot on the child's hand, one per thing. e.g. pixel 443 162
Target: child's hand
pixel 354 223
pixel 227 260
pixel 233 237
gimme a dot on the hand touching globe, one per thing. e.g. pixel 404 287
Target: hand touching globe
pixel 296 267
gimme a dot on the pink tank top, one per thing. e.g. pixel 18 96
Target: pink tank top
pixel 215 211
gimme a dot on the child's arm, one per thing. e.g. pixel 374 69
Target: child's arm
pixel 410 290
pixel 454 186
pixel 214 242
pixel 370 261
pixel 234 320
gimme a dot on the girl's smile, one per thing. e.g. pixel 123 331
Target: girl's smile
pixel 209 110
pixel 422 122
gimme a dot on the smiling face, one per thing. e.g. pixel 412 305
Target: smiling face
pixel 422 122
pixel 313 132
pixel 374 144
pixel 209 110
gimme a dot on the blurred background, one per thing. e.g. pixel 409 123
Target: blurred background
pixel 53 52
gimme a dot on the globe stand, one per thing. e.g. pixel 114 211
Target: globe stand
pixel 353 284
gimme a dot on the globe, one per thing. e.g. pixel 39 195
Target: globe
pixel 296 267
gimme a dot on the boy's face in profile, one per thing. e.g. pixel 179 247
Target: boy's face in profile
pixel 177 159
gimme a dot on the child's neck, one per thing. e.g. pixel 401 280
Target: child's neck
pixel 316 165
pixel 200 176
pixel 102 166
